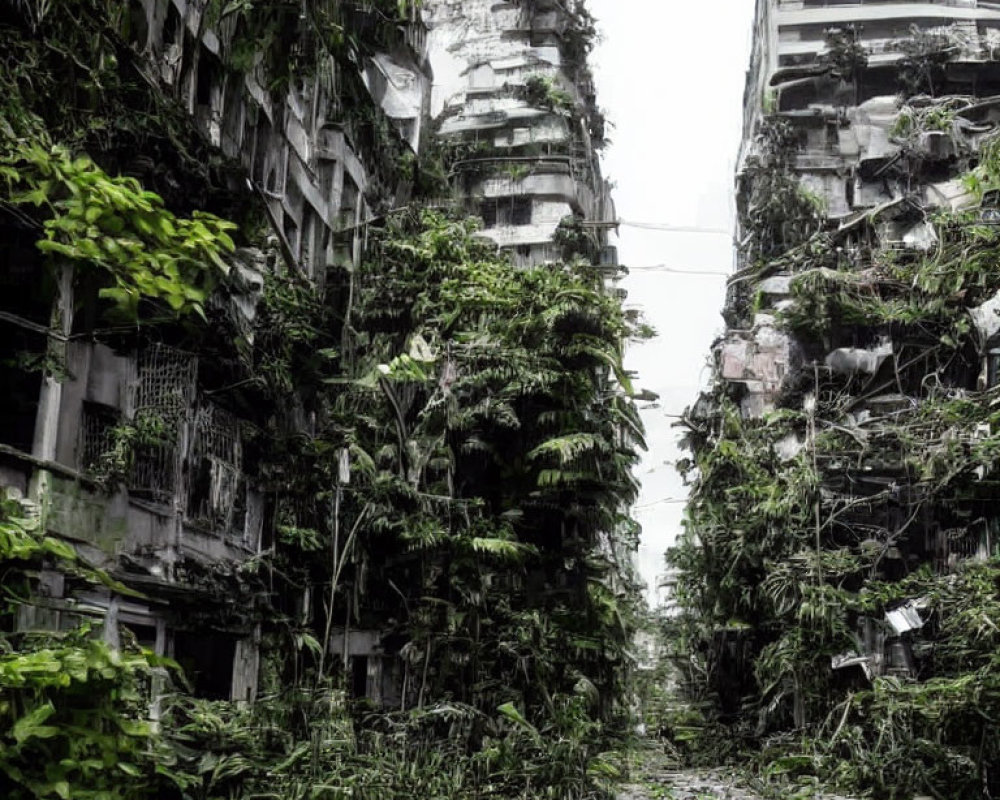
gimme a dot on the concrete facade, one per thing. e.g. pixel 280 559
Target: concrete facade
pixel 515 104
pixel 864 146
pixel 190 501
pixel 876 114
pixel 791 34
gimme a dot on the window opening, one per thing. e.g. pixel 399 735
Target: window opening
pixel 173 27
pixel 506 211
pixel 206 68
pixel 488 211
pixel 217 493
pixel 21 378
pixel 359 676
pixel 96 434
pixel 162 395
pixel 207 660
pixel 520 212
pixel 145 635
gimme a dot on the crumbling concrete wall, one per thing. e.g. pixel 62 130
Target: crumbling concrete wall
pixel 541 155
pixel 823 328
pixel 186 501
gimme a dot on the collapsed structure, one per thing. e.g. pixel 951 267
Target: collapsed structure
pixel 145 446
pixel 844 480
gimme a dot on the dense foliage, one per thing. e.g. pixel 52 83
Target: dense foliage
pixel 446 442
pixel 864 498
pixel 85 216
pixel 490 443
pixel 73 714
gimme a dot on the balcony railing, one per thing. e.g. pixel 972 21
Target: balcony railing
pixel 796 5
pixel 818 161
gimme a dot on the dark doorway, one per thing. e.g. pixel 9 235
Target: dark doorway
pixel 207 660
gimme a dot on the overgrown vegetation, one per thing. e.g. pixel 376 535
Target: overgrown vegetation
pixel 837 573
pixel 73 715
pixel 489 442
pixel 490 453
pixel 87 217
pixel 461 484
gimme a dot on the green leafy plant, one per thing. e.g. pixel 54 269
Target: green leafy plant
pixel 73 712
pixel 90 218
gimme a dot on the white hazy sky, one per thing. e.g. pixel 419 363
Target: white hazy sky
pixel 670 75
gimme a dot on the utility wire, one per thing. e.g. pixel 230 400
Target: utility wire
pixel 676 271
pixel 664 501
pixel 660 226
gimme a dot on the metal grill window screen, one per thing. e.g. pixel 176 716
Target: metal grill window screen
pixel 164 391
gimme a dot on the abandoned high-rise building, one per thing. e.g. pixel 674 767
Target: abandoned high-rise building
pixel 831 455
pixel 514 105
pixel 836 77
pixel 317 151
pixel 141 447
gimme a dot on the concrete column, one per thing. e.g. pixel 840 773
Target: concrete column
pixel 50 397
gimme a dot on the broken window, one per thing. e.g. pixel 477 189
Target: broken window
pixel 359 676
pixel 162 395
pixel 217 488
pixel 21 370
pixel 96 434
pixel 28 301
pixel 955 545
pixel 206 69
pixel 207 660
pixel 377 678
pixel 173 27
pixel 488 211
pixel 145 635
pixel 520 212
pixel 506 211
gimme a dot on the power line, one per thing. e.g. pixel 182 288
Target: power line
pixel 676 271
pixel 664 501
pixel 661 226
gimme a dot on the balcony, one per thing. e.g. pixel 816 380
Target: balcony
pixel 818 161
pixel 785 5
pixel 831 12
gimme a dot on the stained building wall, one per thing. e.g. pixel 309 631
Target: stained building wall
pixel 191 500
pixel 848 154
pixel 868 118
pixel 514 105
pixel 512 99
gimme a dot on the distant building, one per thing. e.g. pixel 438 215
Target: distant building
pixel 514 105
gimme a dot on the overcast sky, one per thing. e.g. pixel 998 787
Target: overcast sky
pixel 670 75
